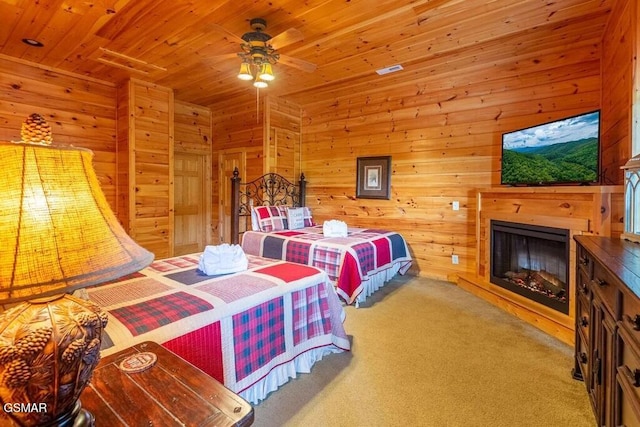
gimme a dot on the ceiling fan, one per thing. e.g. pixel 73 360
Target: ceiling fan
pixel 259 51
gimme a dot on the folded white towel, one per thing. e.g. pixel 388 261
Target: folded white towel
pixel 223 259
pixel 334 228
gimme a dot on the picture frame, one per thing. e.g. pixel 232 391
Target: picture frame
pixel 373 179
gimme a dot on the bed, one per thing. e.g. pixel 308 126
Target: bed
pixel 251 330
pixel 358 264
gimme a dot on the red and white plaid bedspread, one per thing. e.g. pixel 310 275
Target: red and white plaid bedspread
pixel 350 261
pixel 235 327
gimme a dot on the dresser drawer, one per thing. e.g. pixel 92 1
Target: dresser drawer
pixel 606 287
pixel 584 261
pixel 631 314
pixel 628 380
pixel 583 321
pixel 582 359
pixel 584 285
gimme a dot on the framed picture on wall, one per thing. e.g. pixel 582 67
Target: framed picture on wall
pixel 374 177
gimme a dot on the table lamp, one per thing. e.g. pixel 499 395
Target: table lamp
pixel 57 234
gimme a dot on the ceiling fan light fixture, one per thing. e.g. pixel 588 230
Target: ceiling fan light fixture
pixel 266 72
pixel 260 84
pixel 245 71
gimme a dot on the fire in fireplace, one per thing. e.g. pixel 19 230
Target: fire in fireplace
pixel 531 261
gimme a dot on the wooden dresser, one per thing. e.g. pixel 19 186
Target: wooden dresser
pixel 607 349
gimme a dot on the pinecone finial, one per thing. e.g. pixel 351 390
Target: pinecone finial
pixel 36 130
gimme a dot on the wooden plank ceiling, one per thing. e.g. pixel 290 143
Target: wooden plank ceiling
pixel 191 46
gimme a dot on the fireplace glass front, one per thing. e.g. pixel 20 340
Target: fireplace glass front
pixel 531 261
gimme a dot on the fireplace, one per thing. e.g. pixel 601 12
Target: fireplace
pixel 532 261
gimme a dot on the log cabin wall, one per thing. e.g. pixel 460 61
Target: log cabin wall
pixel 619 59
pixel 283 138
pixel 145 164
pixel 192 128
pixel 80 111
pixel 192 137
pixel 237 134
pixel 259 137
pixel 444 136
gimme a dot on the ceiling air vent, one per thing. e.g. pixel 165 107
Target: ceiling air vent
pixel 388 70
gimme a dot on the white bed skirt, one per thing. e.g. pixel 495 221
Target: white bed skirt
pixel 281 374
pixel 377 280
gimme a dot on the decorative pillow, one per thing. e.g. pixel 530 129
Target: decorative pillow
pixel 270 218
pixel 255 223
pixel 308 218
pixel 295 218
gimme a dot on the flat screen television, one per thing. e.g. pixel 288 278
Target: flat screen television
pixel 565 151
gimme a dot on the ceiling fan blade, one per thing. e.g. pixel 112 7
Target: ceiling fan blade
pixel 223 62
pixel 232 37
pixel 286 38
pixel 300 64
pixel 222 57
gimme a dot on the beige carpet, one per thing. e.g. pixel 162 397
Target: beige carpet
pixel 427 353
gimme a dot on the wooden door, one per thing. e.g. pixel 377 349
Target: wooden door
pixel 228 160
pixel 190 203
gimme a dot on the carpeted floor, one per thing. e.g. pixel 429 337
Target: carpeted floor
pixel 427 353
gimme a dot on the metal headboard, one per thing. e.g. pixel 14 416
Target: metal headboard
pixel 270 189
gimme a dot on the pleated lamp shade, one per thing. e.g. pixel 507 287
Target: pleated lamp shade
pixel 57 230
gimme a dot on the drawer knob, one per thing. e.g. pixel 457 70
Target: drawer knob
pixel 584 260
pixel 584 289
pixel 599 282
pixel 583 358
pixel 635 321
pixel 584 321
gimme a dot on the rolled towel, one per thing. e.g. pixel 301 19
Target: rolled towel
pixel 334 228
pixel 223 259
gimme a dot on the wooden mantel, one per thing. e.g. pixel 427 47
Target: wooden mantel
pixel 595 210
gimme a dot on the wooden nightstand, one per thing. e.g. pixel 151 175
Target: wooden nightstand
pixel 172 392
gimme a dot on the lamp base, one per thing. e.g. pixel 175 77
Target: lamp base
pixel 84 419
pixel 48 351
pixel 77 417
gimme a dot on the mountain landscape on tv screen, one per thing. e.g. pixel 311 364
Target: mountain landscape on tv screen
pixel 567 162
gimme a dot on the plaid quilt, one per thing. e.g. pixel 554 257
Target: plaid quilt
pixel 365 255
pixel 236 327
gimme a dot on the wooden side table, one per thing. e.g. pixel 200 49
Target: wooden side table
pixel 171 393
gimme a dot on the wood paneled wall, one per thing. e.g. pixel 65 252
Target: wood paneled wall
pixel 635 34
pixel 235 127
pixel 283 138
pixel 81 112
pixel 192 135
pixel 265 134
pixel 145 165
pixel 192 128
pixel 445 142
pixel 618 62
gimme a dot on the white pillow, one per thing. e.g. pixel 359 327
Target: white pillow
pixel 255 224
pixel 295 218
